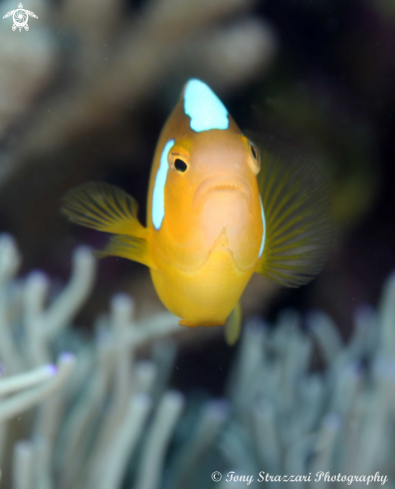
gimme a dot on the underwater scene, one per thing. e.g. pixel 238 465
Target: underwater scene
pixel 197 244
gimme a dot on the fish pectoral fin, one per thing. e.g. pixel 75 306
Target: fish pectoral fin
pixel 299 226
pixel 129 247
pixel 233 325
pixel 105 208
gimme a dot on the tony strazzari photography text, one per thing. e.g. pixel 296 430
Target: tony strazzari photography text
pixel 318 477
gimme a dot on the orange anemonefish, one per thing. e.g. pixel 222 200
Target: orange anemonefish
pixel 218 211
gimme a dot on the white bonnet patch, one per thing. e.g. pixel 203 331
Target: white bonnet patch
pixel 204 108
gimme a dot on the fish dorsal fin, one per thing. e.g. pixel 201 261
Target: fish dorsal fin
pixel 297 219
pixel 105 208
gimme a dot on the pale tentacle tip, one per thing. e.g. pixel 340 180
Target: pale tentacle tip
pixel 52 369
pixel 66 357
pixel 333 421
pixel 220 408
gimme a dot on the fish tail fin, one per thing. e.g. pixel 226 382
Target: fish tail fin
pixel 107 208
pixel 298 223
pixel 233 325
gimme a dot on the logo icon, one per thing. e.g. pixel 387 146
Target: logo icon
pixel 20 17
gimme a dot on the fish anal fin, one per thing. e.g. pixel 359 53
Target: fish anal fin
pixel 298 219
pixel 233 325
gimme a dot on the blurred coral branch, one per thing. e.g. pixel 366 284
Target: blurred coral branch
pixel 77 92
pixel 118 62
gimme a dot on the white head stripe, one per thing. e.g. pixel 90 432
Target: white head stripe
pixel 158 195
pixel 264 228
pixel 204 108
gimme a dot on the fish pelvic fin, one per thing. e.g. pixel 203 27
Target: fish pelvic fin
pixel 298 219
pixel 107 208
pixel 129 247
pixel 233 325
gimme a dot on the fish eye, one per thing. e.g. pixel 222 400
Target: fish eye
pixel 178 162
pixel 255 152
pixel 256 158
pixel 180 165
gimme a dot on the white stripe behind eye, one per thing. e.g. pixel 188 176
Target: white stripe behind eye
pixel 158 195
pixel 204 108
pixel 264 229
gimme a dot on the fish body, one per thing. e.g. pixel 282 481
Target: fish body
pixel 211 222
pixel 207 245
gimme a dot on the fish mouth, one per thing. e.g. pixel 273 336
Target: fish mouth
pixel 222 183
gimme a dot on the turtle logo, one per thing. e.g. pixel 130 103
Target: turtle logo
pixel 20 17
